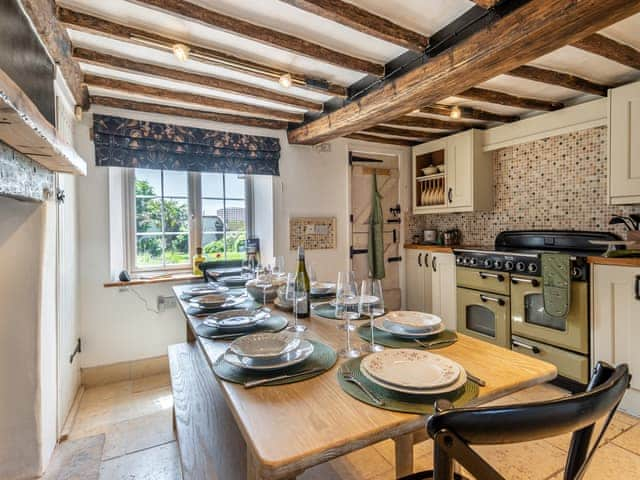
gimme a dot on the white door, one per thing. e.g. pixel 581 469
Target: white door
pixel 616 325
pixel 443 288
pixel 415 279
pixel 459 170
pixel 624 144
pixel 388 187
pixel 67 314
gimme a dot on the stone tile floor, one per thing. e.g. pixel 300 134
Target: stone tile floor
pixel 139 443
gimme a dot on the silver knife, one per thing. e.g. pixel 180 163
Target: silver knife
pixel 264 381
pixel 475 379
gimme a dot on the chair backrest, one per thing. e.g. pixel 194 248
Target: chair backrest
pixel 533 421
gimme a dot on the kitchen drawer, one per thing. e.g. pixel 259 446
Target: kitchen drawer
pixel 570 365
pixel 483 280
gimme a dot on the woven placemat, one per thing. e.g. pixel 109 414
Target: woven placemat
pixel 326 310
pixel 384 338
pixel 323 357
pixel 273 324
pixel 402 402
pixel 248 304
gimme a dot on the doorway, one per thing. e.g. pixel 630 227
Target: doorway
pixel 385 167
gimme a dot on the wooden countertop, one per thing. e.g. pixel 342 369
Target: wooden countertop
pixel 431 248
pixel 620 262
pixel 174 277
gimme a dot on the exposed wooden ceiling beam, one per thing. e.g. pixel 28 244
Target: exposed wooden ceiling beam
pixel 404 132
pixel 98 26
pixel 499 47
pixel 140 89
pixel 428 122
pixel 608 48
pixel 487 3
pixel 187 112
pixel 126 64
pixel 560 79
pixel 348 14
pixel 388 141
pixel 282 41
pixel 58 44
pixel 508 100
pixel 469 113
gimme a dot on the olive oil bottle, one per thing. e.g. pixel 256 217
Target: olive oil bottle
pixel 301 272
pixel 198 258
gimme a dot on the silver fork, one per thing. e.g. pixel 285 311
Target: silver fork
pixel 433 343
pixel 347 375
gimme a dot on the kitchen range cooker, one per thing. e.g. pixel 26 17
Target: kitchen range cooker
pixel 500 298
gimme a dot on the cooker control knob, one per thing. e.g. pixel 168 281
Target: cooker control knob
pixel 497 264
pixel 520 266
pixel 508 265
pixel 473 262
pixel 532 267
pixel 487 263
pixel 459 260
pixel 576 272
pixel 465 261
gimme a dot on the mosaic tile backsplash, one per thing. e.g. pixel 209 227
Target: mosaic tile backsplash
pixel 554 183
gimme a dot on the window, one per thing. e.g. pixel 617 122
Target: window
pixel 172 213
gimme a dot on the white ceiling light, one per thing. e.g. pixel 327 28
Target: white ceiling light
pixel 455 112
pixel 181 51
pixel 285 80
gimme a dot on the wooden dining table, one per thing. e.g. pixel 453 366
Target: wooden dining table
pixel 287 429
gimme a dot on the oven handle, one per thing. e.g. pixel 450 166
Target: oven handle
pixel 485 298
pixel 497 276
pixel 637 287
pixel 533 348
pixel 534 282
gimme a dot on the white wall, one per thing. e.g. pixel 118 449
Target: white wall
pixel 115 325
pixel 21 227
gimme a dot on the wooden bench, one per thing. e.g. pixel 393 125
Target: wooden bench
pixel 205 429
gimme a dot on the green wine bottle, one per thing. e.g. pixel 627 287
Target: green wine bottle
pixel 304 306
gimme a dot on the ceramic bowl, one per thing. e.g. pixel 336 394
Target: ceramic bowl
pixel 265 345
pixel 429 170
pixel 255 291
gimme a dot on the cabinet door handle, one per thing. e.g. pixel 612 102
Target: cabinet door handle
pixel 486 298
pixel 533 348
pixel 450 194
pixel 497 276
pixel 637 287
pixel 433 263
pixel 532 281
pixel 420 259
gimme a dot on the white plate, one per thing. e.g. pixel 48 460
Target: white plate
pixel 235 281
pixel 210 300
pixel 230 302
pixel 238 320
pixel 205 290
pixel 412 322
pixel 321 288
pixel 289 359
pixel 399 332
pixel 410 368
pixel 462 379
pixel 265 345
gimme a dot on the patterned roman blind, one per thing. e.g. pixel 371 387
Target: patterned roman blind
pixel 122 142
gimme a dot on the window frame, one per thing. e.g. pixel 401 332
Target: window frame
pixel 194 202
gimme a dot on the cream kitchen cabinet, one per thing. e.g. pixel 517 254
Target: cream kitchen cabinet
pixel 463 181
pixel 624 144
pixel 431 284
pixel 615 313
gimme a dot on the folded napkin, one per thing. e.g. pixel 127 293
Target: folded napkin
pixel 556 281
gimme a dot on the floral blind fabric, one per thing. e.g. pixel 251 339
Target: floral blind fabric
pixel 122 142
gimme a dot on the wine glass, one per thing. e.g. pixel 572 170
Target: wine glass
pixel 278 266
pixel 264 280
pixel 296 292
pixel 372 304
pixel 347 309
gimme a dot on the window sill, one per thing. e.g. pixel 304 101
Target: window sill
pixel 173 277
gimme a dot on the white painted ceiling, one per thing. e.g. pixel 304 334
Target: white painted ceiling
pixel 423 16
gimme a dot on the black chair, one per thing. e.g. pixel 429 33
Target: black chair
pixel 232 267
pixel 455 430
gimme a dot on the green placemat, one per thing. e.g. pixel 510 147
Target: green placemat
pixel 275 323
pixel 323 356
pixel 384 338
pixel 402 402
pixel 326 310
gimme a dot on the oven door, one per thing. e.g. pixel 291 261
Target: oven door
pixel 529 319
pixel 484 315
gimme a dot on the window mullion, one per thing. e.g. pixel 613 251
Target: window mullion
pixel 162 221
pixel 224 215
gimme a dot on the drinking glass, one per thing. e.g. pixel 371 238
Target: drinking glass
pixel 372 304
pixel 347 309
pixel 311 271
pixel 296 292
pixel 264 281
pixel 278 266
